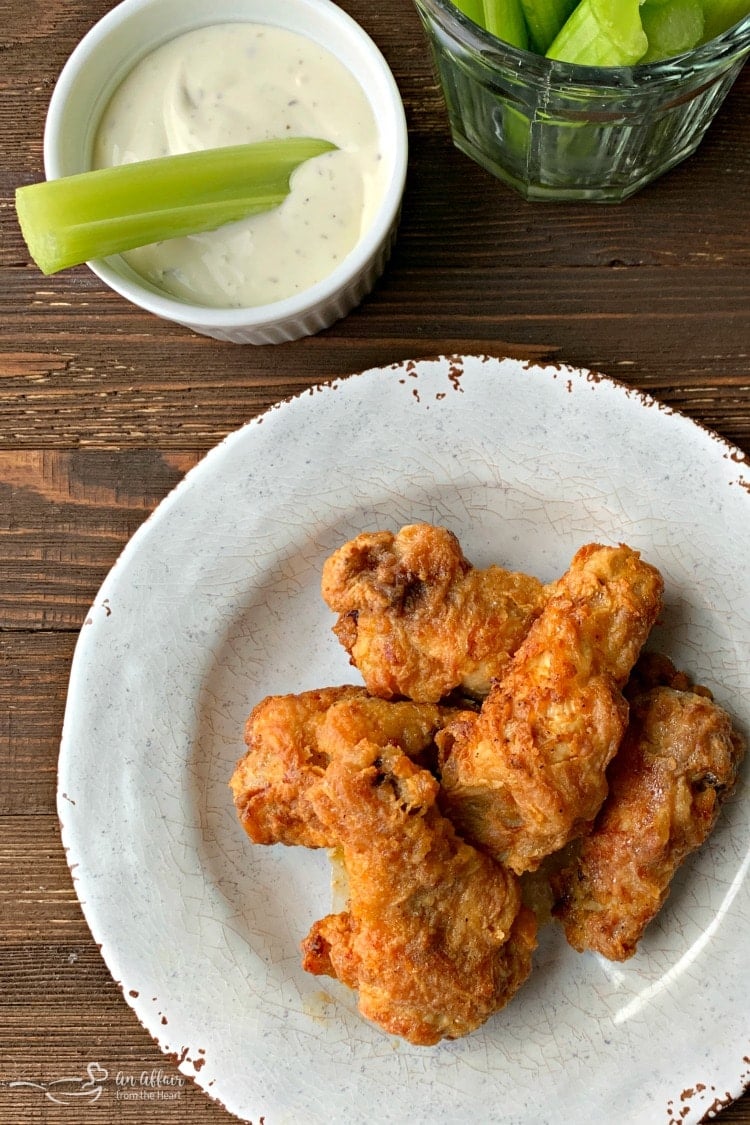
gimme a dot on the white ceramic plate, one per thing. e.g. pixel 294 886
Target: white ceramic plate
pixel 215 603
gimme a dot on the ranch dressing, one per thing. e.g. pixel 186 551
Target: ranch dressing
pixel 235 83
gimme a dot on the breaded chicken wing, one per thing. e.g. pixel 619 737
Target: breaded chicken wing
pixel 435 938
pixel 292 738
pixel 418 620
pixel 527 774
pixel 677 763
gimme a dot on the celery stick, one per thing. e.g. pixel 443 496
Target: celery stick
pixel 473 9
pixel 94 214
pixel 504 19
pixel 720 15
pixel 601 33
pixel 671 28
pixel 544 18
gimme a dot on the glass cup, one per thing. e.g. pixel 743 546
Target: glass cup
pixel 557 131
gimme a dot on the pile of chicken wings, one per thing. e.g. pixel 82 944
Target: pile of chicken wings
pixel 505 727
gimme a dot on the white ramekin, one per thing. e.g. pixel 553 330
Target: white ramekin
pixel 134 28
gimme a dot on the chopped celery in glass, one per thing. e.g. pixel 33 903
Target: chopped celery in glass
pixel 606 32
pixel 601 33
pixel 505 20
pixel 671 28
pixel 472 9
pixel 720 15
pixel 544 18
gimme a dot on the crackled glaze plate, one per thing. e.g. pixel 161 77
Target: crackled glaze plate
pixel 215 603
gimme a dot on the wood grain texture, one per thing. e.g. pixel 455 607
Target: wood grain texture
pixel 103 410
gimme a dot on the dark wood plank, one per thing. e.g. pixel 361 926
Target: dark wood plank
pixel 67 516
pixel 152 385
pixel 33 679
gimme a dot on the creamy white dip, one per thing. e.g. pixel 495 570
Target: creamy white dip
pixel 231 84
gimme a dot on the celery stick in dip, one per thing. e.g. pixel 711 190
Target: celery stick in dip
pixel 232 84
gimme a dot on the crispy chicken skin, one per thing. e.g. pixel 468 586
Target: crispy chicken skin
pixel 678 761
pixel 418 620
pixel 527 774
pixel 292 738
pixel 435 938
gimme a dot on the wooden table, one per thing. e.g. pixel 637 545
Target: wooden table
pixel 103 409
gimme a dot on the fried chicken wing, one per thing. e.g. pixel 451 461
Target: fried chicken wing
pixel 418 620
pixel 678 761
pixel 527 774
pixel 292 738
pixel 435 938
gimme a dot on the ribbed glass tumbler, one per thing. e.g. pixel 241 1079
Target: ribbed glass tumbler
pixel 557 131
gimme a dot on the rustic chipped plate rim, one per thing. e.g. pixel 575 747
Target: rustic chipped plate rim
pixel 215 603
